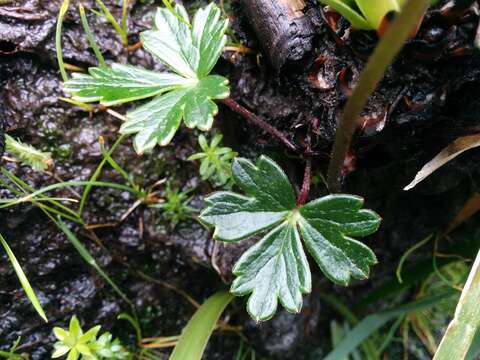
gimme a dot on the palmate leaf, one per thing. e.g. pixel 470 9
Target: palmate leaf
pixel 276 267
pixel 190 51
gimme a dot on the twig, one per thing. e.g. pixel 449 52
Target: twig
pixel 169 286
pixel 307 177
pixel 387 49
pixel 259 122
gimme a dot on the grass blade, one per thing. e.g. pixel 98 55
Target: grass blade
pixel 96 174
pixel 373 322
pixel 368 346
pixel 58 39
pixel 111 19
pixel 195 335
pixel 387 49
pixel 90 37
pixel 474 351
pixel 23 280
pixel 85 254
pixel 466 322
pixel 65 184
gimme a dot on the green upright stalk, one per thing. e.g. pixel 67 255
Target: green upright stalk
pixel 90 37
pixel 96 174
pixel 58 39
pixel 108 15
pixel 124 16
pixel 387 49
pixel 466 322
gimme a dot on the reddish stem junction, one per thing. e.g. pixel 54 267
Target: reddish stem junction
pixel 262 124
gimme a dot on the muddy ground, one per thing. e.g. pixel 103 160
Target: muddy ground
pixel 424 103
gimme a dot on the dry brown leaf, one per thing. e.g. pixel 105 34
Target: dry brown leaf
pixel 471 207
pixel 456 148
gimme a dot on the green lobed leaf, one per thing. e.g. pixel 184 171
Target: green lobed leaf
pixel 171 42
pixel 326 224
pixel 275 269
pixel 157 121
pixel 270 200
pixel 208 36
pixel 190 51
pixel 121 83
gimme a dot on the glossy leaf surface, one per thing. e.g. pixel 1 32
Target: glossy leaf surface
pixel 276 269
pixel 121 83
pixel 190 51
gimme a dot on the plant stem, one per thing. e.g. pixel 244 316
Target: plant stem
pixel 387 49
pixel 259 122
pixel 307 177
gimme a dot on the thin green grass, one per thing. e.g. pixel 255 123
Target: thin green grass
pixel 466 323
pixel 58 39
pixel 367 326
pixel 66 184
pixel 55 216
pixel 23 279
pixel 96 174
pixel 90 37
pixel 407 254
pixel 368 346
pixel 111 19
pixel 23 189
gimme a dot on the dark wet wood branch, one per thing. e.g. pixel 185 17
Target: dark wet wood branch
pixel 285 33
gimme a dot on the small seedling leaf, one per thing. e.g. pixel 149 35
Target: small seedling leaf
pixel 275 269
pixel 27 154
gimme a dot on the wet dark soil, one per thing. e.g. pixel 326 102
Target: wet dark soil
pixel 423 104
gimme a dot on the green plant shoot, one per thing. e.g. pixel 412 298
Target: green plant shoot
pixel 215 161
pixel 75 343
pixel 27 154
pixel 365 14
